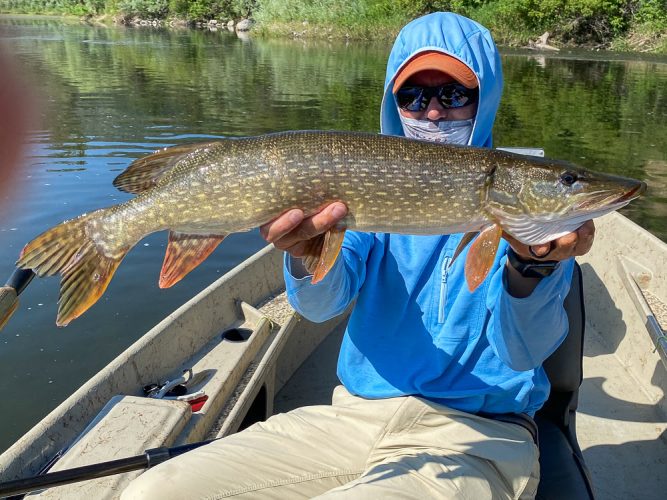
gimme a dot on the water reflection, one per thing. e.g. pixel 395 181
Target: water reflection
pixel 606 115
pixel 110 95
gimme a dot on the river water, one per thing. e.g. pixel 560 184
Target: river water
pixel 110 95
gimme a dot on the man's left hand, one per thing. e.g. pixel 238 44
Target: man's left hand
pixel 572 244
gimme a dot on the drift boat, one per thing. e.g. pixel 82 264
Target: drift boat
pixel 239 353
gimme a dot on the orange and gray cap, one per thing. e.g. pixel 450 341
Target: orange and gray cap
pixel 433 60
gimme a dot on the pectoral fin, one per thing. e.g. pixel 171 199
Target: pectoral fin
pixel 481 255
pixel 184 253
pixel 320 264
pixel 467 238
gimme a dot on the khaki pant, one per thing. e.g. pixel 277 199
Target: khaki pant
pixel 356 448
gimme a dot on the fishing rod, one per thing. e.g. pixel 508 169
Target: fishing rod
pixel 149 459
pixel 9 293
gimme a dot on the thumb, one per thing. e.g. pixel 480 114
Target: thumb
pixel 540 251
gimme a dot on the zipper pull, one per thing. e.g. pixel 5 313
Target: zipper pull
pixel 444 275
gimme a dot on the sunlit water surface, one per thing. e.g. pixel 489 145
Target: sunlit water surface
pixel 110 95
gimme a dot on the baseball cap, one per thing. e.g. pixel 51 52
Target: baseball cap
pixel 432 60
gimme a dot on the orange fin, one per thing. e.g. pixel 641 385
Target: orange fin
pixel 467 238
pixel 85 279
pixel 184 253
pixel 481 255
pixel 312 254
pixel 146 172
pixel 67 249
pixel 333 241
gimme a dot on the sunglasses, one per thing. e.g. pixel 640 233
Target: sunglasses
pixel 450 95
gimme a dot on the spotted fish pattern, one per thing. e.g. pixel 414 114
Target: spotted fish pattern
pixel 202 192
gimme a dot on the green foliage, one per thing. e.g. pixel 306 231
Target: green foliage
pixel 73 7
pixel 652 14
pixel 592 22
pixel 201 9
pixel 145 8
pixel 211 9
pixel 579 21
pixel 514 22
pixel 179 8
pixel 357 14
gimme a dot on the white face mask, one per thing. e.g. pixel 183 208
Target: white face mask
pixel 449 131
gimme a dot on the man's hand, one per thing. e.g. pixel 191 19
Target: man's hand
pixel 292 231
pixel 572 244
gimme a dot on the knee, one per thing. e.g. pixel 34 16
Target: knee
pixel 153 483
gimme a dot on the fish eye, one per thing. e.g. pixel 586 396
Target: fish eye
pixel 568 178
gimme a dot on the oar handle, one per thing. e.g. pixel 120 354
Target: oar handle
pixel 10 292
pixel 59 478
pixel 150 458
pixel 20 279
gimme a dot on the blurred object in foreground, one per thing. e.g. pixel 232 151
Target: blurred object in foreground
pixel 17 112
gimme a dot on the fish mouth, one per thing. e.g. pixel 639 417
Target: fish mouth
pixel 633 193
pixel 611 201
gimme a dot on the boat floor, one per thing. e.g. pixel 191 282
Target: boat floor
pixel 622 435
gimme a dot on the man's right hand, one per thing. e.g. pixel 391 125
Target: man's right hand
pixel 292 231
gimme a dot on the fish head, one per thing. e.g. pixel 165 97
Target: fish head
pixel 539 200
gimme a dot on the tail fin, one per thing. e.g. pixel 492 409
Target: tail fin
pixel 68 250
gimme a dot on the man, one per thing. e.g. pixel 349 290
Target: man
pixel 439 383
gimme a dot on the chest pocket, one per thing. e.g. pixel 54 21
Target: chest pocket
pixel 462 312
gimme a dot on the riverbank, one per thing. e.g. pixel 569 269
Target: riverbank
pixel 636 41
pixel 627 26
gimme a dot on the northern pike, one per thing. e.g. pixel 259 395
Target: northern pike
pixel 203 192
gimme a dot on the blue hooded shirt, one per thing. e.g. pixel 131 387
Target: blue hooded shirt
pixel 458 37
pixel 416 329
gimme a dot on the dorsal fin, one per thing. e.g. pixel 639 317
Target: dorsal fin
pixel 146 172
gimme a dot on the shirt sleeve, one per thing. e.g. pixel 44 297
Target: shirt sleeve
pixel 524 331
pixel 331 296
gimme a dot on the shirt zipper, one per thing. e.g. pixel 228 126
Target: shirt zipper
pixel 443 289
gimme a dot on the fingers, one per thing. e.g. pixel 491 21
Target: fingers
pixel 291 231
pixel 572 244
pixel 580 243
pixel 277 228
pixel 315 225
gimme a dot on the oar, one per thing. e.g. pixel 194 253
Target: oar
pixel 10 292
pixel 149 459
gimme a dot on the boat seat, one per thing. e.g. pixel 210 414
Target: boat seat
pixel 563 472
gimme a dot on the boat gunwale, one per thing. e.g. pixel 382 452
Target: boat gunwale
pixel 126 373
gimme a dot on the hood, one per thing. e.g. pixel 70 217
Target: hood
pixel 457 36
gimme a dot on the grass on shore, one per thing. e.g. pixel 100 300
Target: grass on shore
pixel 637 40
pixel 592 24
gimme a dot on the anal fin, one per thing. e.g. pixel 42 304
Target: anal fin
pixel 184 253
pixel 320 259
pixel 481 255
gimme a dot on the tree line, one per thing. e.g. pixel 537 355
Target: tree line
pixel 616 24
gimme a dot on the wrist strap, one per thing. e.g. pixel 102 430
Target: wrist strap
pixel 529 268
